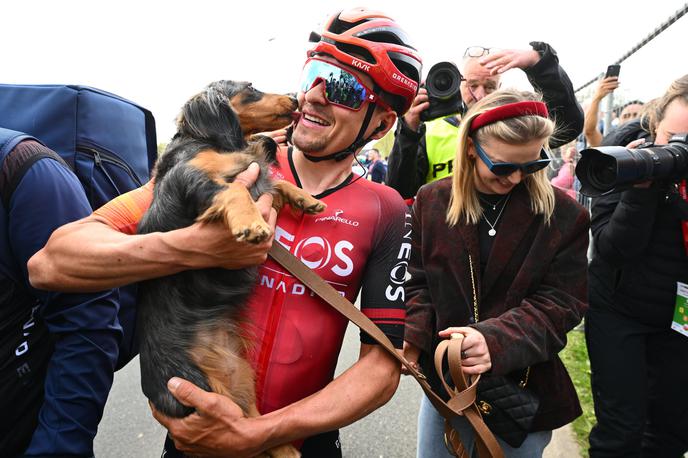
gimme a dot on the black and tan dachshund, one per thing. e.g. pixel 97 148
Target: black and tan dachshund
pixel 190 323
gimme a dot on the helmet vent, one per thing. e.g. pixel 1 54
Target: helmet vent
pixel 411 68
pixel 338 26
pixel 359 52
pixel 390 35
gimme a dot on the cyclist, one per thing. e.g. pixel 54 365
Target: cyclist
pixel 358 77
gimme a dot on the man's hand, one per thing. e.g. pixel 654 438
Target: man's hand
pixel 279 135
pixel 605 86
pixel 475 356
pixel 217 428
pixel 500 61
pixel 213 245
pixel 419 105
pixel 411 353
pixel 634 144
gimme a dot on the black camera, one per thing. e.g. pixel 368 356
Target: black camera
pixel 444 94
pixel 610 169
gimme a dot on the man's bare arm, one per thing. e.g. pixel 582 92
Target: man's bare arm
pixel 88 255
pixel 592 134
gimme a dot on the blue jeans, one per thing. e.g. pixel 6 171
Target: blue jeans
pixel 431 437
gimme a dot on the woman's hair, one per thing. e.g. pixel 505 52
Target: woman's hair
pixel 464 204
pixel 653 111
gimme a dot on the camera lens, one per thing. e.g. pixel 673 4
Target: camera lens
pixel 443 89
pixel 443 81
pixel 603 174
pixel 613 168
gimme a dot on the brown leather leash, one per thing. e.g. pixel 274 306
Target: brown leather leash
pixel 462 398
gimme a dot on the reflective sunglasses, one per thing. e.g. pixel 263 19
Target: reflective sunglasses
pixel 476 51
pixel 342 87
pixel 504 169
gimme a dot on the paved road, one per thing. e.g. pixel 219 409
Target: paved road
pixel 128 429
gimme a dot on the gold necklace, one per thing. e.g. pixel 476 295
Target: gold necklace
pixel 493 205
pixel 523 382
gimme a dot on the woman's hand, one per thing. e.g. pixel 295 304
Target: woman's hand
pixel 411 353
pixel 475 356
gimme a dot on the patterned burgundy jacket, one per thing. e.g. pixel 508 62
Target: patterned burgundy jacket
pixel 533 291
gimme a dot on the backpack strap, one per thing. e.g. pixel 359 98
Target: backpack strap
pixel 15 163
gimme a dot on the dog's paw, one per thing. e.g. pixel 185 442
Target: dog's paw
pixel 317 207
pixel 255 232
pixel 308 204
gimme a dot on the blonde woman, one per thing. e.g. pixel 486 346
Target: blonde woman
pixel 498 231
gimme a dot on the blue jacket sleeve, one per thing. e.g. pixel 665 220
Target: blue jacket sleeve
pixel 85 326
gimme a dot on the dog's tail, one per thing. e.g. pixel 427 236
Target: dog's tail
pixel 209 117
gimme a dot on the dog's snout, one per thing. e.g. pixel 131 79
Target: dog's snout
pixel 293 99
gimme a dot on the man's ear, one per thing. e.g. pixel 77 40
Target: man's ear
pixel 386 121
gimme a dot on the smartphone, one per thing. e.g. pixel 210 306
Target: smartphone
pixel 613 70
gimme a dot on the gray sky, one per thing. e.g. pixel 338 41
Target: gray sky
pixel 159 53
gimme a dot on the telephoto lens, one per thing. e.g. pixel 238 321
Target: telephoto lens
pixel 610 169
pixel 444 93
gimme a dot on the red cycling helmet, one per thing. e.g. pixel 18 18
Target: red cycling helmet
pixel 373 43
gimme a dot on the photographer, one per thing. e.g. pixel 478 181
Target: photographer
pixel 637 360
pixel 424 152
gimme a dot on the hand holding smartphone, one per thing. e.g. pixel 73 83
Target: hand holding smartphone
pixel 613 70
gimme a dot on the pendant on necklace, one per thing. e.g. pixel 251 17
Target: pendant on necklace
pixel 492 232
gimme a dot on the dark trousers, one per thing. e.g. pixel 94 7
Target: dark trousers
pixel 639 378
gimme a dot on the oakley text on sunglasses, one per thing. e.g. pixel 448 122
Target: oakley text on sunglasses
pixel 342 87
pixel 504 169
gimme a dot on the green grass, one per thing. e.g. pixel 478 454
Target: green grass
pixel 575 357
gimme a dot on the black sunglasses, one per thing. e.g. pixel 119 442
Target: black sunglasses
pixel 504 169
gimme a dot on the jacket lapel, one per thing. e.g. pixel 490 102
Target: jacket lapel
pixel 516 221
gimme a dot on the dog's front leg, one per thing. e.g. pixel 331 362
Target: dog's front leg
pixel 288 193
pixel 234 206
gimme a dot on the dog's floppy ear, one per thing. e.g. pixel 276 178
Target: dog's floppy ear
pixel 209 117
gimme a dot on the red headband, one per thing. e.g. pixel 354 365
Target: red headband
pixel 510 110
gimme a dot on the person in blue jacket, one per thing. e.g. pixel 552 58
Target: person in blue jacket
pixel 58 352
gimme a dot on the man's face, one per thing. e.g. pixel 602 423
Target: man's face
pixel 629 113
pixel 477 82
pixel 325 128
pixel 675 121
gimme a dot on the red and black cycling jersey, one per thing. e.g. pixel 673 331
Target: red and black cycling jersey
pixel 362 240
